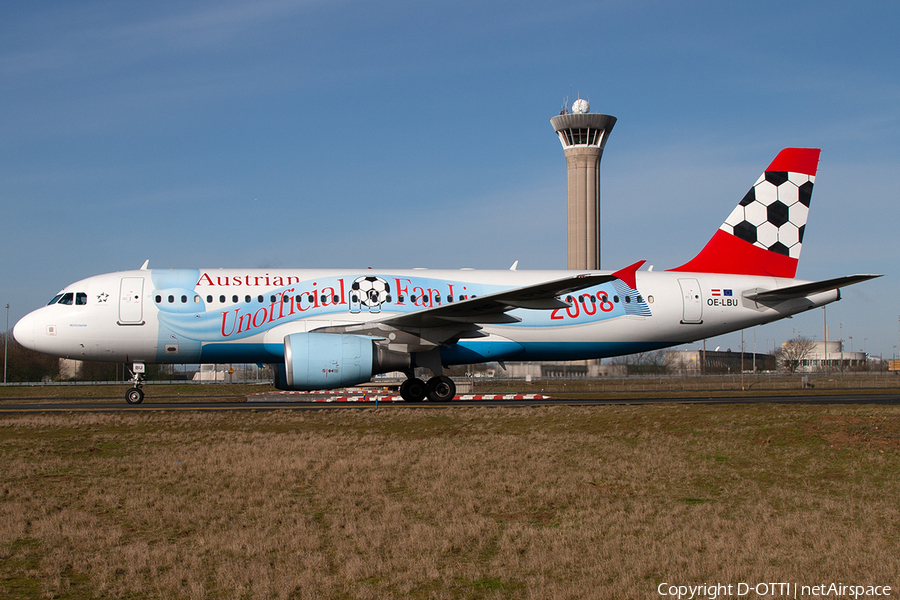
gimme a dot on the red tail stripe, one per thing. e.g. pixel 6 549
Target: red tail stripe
pixel 726 253
pixel 796 160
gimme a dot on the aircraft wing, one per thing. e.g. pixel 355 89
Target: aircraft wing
pixel 436 325
pixel 493 307
pixel 805 289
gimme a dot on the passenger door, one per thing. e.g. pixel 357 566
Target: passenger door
pixel 693 303
pixel 131 293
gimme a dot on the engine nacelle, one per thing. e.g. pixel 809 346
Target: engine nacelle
pixel 317 361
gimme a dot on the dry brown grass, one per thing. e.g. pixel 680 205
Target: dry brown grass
pixel 549 502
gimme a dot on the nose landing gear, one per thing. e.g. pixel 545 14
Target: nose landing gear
pixel 136 395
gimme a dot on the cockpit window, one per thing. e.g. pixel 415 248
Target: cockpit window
pixel 55 299
pixel 80 298
pixel 67 298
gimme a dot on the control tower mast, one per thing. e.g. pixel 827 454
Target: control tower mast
pixel 583 136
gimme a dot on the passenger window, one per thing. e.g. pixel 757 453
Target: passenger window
pixel 184 299
pixel 616 299
pixel 335 299
pixel 171 299
pixel 234 298
pixel 209 299
pixel 158 299
pixel 627 299
pixel 388 299
pixel 80 298
pixel 196 299
pixel 449 298
pixel 247 298
pixel 273 298
pixel 55 299
pixel 259 299
pixel 400 298
pixel 67 299
pixel 222 299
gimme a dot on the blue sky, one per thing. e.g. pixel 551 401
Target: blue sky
pixel 405 134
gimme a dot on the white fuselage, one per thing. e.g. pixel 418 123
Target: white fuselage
pixel 243 315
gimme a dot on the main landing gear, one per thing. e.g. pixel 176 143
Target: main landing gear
pixel 438 389
pixel 136 395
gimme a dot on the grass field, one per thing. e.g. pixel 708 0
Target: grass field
pixel 545 502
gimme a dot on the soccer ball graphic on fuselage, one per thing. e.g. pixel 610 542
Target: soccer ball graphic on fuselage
pixel 324 329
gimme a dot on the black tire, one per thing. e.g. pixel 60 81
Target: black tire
pixel 413 390
pixel 134 396
pixel 441 389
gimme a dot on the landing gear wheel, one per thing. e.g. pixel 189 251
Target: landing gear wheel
pixel 134 396
pixel 441 389
pixel 413 390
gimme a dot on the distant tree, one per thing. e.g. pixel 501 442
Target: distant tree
pixel 792 353
pixel 100 371
pixel 643 363
pixel 27 365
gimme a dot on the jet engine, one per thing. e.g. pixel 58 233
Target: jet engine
pixel 316 361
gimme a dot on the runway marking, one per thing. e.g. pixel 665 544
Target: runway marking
pixel 308 397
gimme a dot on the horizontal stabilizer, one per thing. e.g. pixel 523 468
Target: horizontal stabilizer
pixel 806 289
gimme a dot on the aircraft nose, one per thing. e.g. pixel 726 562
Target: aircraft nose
pixel 24 331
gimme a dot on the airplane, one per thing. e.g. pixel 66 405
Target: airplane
pixel 330 328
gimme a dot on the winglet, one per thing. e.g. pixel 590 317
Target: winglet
pixel 144 266
pixel 627 274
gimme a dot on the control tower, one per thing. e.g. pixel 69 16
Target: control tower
pixel 583 135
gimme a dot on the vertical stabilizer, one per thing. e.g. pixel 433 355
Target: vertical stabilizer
pixel 764 233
